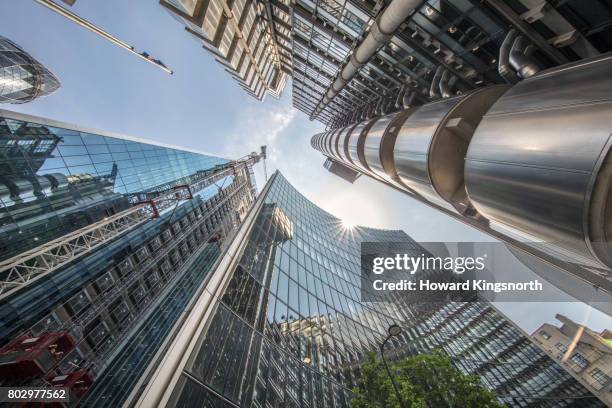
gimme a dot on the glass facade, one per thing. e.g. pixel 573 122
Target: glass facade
pixel 290 330
pixel 22 78
pixel 56 180
pixel 94 319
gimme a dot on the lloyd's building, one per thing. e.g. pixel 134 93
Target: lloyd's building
pixel 139 274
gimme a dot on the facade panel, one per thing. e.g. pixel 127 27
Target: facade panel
pixel 106 239
pixel 240 36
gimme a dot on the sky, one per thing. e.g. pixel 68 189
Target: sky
pixel 200 107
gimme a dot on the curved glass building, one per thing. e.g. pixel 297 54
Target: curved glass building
pixel 281 323
pixel 23 78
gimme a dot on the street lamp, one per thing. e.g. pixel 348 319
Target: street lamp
pixel 393 331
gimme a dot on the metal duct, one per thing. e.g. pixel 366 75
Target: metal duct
pixel 355 143
pixel 408 100
pixel 44 185
pixel 503 67
pixel 447 82
pixel 539 162
pixel 371 110
pixel 380 34
pixel 435 82
pixel 378 110
pixel 520 61
pixel 431 144
pixel 400 96
pixel 372 145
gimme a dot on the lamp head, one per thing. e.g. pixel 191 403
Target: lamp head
pixel 394 330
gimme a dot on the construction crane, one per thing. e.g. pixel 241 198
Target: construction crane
pixel 264 156
pixel 96 30
pixel 27 267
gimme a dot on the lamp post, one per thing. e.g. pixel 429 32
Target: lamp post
pixel 393 331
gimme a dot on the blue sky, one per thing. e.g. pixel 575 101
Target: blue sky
pixel 201 107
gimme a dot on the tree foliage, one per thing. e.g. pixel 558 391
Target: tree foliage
pixel 427 380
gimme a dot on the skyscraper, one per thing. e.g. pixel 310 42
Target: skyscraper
pixel 281 323
pixel 528 168
pixel 22 78
pixel 241 37
pixel 105 239
pixel 349 58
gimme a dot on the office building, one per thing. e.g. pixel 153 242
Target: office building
pixel 104 241
pixel 528 168
pixel 585 353
pixel 348 59
pixel 281 323
pixel 353 63
pixel 240 36
pixel 22 78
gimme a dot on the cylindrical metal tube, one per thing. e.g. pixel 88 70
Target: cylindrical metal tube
pixel 539 161
pixel 356 143
pixel 372 144
pixel 503 67
pixel 430 148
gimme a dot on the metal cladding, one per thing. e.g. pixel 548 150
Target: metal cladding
pixel 540 160
pixel 372 145
pixel 533 159
pixel 430 147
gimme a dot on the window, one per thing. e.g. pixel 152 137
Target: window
pixel 545 335
pixel 579 360
pixel 78 303
pixel 562 347
pixel 599 376
pixel 103 283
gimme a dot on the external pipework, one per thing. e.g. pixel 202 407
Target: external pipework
pixel 447 83
pixel 377 110
pixel 400 96
pixel 531 162
pixel 520 59
pixel 503 67
pixel 380 34
pixel 371 110
pixel 408 99
pixel 364 112
pixel 434 90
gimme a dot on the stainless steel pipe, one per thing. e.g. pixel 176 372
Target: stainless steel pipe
pixel 533 160
pixel 380 33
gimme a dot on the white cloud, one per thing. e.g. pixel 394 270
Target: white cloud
pixel 259 126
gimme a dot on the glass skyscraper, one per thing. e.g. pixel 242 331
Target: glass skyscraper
pixel 104 239
pixel 22 78
pixel 283 325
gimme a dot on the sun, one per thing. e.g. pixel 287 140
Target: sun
pixel 347 225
